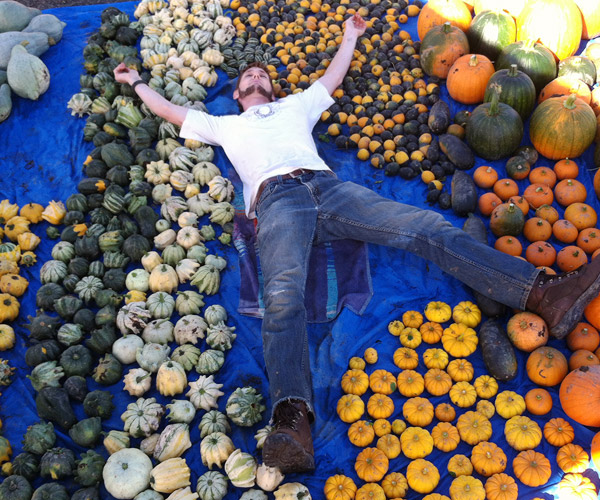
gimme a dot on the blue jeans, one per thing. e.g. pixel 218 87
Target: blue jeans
pixel 293 214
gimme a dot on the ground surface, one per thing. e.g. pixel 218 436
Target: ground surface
pixel 51 4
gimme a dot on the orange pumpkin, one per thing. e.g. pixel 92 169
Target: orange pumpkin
pixel 572 458
pixel 564 86
pixel 371 465
pixel 570 191
pixel 441 47
pixel 582 357
pixel 565 231
pixel 488 202
pixel 361 433
pixel 538 195
pixel 339 487
pixel 543 175
pixel 395 485
pixel 546 366
pixel 566 169
pixel 538 401
pixel 541 253
pixel 437 12
pixel 501 487
pixel 589 240
pixel 592 312
pixel 555 23
pixel 468 78
pixel 445 412
pixel 558 431
pixel 570 258
pixel 513 7
pixel 532 468
pixel 509 245
pixel 583 336
pixel 527 331
pixel 595 449
pixel 537 229
pixel 580 395
pixel 547 212
pixel 590 12
pixel 485 176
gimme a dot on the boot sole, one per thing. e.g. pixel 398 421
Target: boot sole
pixel 287 454
pixel 573 316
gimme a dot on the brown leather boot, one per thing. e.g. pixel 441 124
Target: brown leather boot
pixel 289 446
pixel 561 299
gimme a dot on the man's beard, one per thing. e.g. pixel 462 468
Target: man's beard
pixel 255 88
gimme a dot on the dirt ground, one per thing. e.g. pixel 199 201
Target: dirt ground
pixel 51 4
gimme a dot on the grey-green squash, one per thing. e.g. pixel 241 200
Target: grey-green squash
pixel 37 44
pixel 5 101
pixel 49 24
pixel 14 16
pixel 27 75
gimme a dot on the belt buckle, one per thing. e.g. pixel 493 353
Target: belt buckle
pixel 296 173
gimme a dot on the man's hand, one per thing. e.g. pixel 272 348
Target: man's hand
pixel 123 74
pixel 356 25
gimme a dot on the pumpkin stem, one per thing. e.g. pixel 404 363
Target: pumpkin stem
pixel 493 110
pixel 512 71
pixel 447 27
pixel 473 61
pixel 530 43
pixel 570 102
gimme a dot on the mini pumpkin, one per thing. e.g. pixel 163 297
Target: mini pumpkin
pixel 459 465
pixel 350 408
pixel 532 468
pixel 558 431
pixel 488 458
pixel 339 487
pixel 361 433
pixel 572 458
pixel 406 358
pixel 355 382
pixel 467 488
pixel 418 411
pixel 371 465
pixel 422 476
pixel 474 427
pixel 416 442
pixel 410 383
pixel 445 437
pixel 522 433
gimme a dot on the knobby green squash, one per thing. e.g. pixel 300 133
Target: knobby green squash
pixel 562 127
pixel 27 75
pixel 494 129
pixel 518 90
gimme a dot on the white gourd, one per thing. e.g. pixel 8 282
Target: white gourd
pixel 15 16
pixel 124 349
pixel 49 24
pixel 27 75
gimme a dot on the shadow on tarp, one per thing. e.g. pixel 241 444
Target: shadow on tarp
pixel 41 156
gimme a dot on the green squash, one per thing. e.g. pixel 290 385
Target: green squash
pixel 106 315
pixel 87 246
pixel 96 268
pixel 518 90
pixel 98 403
pixel 115 279
pixel 89 493
pixel 490 31
pixel 116 154
pixel 46 374
pixel 580 67
pixel 210 361
pixel 51 491
pixel 110 241
pixel 85 318
pixel 88 287
pixel 16 487
pixel 27 75
pixel 52 403
pixel 77 201
pixel 76 387
pixel 76 360
pixel 43 326
pixel 88 471
pixel 57 463
pixel 53 271
pixel 70 282
pixel 79 266
pixel 212 485
pixel 136 246
pixel 108 371
pixel 244 407
pixel 39 438
pixel 69 334
pixel 494 129
pixel 47 294
pixel 102 339
pixel 86 432
pixel 46 350
pixel 108 297
pixel 67 305
pixel 15 16
pixel 27 465
pixel 531 58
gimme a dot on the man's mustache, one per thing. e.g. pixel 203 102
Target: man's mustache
pixel 253 89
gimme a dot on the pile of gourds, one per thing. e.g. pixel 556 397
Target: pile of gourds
pixel 25 34
pixel 385 434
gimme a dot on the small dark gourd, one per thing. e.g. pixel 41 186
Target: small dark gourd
pixel 86 432
pixel 98 403
pixel 52 403
pixel 57 463
pixel 497 351
pixel 39 438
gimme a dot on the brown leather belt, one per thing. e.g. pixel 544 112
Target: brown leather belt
pixel 290 175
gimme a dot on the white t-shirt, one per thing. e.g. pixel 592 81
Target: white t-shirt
pixel 265 140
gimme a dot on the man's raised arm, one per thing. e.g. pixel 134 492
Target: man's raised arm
pixel 333 77
pixel 157 103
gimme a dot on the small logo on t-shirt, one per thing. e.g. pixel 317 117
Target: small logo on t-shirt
pixel 265 110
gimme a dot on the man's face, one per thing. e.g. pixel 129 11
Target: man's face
pixel 254 81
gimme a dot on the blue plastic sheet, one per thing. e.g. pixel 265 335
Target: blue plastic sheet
pixel 41 156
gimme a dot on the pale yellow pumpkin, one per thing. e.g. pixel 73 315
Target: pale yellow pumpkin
pixel 474 428
pixel 15 226
pixel 171 378
pixel 7 337
pixel 522 433
pixel 509 404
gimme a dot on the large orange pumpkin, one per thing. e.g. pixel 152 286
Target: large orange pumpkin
pixel 592 312
pixel 546 366
pixel 595 455
pixel 590 11
pixel 468 78
pixel 555 23
pixel 580 395
pixel 436 12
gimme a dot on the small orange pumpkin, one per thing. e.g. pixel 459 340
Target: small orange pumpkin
pixel 572 458
pixel 570 258
pixel 558 431
pixel 339 487
pixel 581 215
pixel 438 12
pixel 592 312
pixel 565 231
pixel 589 240
pixel 361 433
pixel 546 366
pixel 371 465
pixel 527 331
pixel 582 357
pixel 583 336
pixel 538 401
pixel 468 78
pixel 532 468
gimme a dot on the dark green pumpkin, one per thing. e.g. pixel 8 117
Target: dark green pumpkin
pixel 85 318
pixel 115 279
pixel 77 201
pixel 16 487
pixel 146 218
pixel 490 31
pixel 116 154
pixel 87 246
pixel 97 269
pixel 43 326
pixel 95 200
pixel 52 403
pixel 118 175
pixel 39 438
pixel 88 471
pixel 115 129
pixel 67 305
pixel 73 217
pixel 51 491
pixel 100 216
pixel 76 360
pixel 108 371
pixel 128 225
pixel 98 403
pixel 151 126
pixel 89 131
pixel 113 260
pixel 580 67
pixel 140 139
pixel 90 493
pixel 96 230
pixel 69 234
pixel 140 188
pixel 532 58
pixel 108 296
pixel 57 463
pixel 92 185
pixel 518 90
pixel 126 35
pixel 134 203
pixel 106 315
pixel 529 153
pixel 70 282
pixel 47 294
pixel 86 432
pixel 507 219
pixel 96 169
pixel 46 350
pixel 136 246
pixel 78 266
pixel 102 138
pixel 102 339
pixel 27 465
pixel 517 167
pixel 147 155
pixel 494 130
pixel 98 119
pixel 114 202
pixel 76 387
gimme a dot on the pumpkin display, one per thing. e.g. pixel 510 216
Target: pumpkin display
pixel 410 383
pixel 546 366
pixel 562 127
pixel 532 468
pixel 422 476
pixel 442 45
pixel 382 381
pixel 438 12
pixel 592 312
pixel 361 433
pixel 369 491
pixel 565 86
pixel 580 395
pixel 371 465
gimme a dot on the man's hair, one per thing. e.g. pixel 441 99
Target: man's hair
pixel 255 65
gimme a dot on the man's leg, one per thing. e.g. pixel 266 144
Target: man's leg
pixel 287 222
pixel 347 210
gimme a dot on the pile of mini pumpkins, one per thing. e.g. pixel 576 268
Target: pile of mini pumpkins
pixel 384 435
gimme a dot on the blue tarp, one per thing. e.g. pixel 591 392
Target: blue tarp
pixel 41 155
